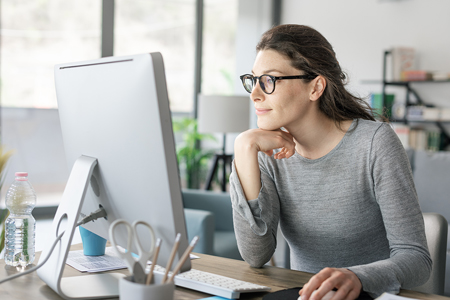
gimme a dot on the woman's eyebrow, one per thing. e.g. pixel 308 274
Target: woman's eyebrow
pixel 269 71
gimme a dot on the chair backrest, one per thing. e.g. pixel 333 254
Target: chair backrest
pixel 219 203
pixel 436 228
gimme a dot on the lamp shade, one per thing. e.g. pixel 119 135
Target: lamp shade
pixel 225 114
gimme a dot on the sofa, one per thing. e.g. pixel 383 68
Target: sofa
pixel 209 215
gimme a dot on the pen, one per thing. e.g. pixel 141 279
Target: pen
pixel 172 256
pixel 184 257
pixel 155 258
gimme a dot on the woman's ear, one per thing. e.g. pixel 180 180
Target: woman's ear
pixel 318 87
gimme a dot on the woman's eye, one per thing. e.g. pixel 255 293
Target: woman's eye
pixel 269 80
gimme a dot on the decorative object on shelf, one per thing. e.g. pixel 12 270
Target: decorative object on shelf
pixel 381 107
pixel 222 114
pixel 4 158
pixel 191 158
pixel 398 111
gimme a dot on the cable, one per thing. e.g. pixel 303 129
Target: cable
pixel 99 213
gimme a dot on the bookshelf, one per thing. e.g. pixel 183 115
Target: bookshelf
pixel 445 136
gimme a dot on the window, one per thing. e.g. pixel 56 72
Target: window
pixel 36 35
pixel 219 47
pixel 161 26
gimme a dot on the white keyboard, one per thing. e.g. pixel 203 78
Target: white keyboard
pixel 213 284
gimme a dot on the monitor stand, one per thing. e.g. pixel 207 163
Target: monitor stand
pixel 92 286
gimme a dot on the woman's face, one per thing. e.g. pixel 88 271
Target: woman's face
pixel 289 103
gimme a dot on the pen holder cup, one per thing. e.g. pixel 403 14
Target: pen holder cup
pixel 156 290
pixel 93 245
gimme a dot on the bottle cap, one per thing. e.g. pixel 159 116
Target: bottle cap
pixel 24 176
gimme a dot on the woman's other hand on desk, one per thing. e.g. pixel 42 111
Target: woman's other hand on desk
pixel 346 283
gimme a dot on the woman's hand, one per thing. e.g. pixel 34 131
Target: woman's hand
pixel 246 148
pixel 266 141
pixel 345 281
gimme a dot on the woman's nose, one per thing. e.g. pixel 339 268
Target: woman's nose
pixel 257 94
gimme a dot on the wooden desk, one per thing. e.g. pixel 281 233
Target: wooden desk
pixel 31 287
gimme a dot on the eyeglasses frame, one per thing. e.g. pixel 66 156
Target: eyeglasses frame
pixel 274 78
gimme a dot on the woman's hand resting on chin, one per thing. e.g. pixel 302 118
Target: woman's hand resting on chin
pixel 246 148
pixel 266 141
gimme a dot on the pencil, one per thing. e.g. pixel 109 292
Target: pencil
pixel 172 256
pixel 184 257
pixel 155 258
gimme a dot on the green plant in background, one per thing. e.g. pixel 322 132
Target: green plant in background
pixel 4 157
pixel 191 158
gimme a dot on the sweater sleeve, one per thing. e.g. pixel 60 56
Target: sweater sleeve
pixel 256 220
pixel 409 264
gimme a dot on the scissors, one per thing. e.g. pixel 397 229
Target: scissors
pixel 137 265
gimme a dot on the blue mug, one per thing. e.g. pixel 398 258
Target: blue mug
pixel 93 245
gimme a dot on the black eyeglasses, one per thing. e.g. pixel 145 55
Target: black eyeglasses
pixel 267 82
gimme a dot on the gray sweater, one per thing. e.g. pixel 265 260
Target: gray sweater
pixel 354 208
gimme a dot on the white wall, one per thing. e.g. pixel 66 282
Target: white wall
pixel 360 31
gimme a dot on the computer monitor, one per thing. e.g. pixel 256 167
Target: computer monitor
pixel 118 138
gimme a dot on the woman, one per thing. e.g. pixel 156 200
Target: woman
pixel 337 181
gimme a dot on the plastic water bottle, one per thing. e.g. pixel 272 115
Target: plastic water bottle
pixel 20 224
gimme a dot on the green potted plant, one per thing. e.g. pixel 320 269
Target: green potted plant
pixel 4 157
pixel 191 158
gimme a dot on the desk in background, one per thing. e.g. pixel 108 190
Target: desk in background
pixel 31 287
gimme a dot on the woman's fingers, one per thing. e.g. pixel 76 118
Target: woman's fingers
pixel 278 140
pixel 345 281
pixel 267 141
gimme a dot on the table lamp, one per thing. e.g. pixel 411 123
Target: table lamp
pixel 222 114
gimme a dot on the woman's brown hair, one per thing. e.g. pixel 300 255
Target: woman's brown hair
pixel 310 52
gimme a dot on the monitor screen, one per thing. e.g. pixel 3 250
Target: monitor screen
pixel 116 110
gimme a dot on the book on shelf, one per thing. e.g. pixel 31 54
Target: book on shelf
pixel 403 59
pixel 439 75
pixel 424 113
pixel 415 75
pixel 418 138
pixel 402 132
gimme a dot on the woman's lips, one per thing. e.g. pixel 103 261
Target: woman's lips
pixel 262 111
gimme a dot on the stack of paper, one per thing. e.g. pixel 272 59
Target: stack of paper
pixel 109 261
pixel 92 264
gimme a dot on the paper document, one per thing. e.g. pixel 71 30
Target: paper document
pixel 92 264
pixel 387 296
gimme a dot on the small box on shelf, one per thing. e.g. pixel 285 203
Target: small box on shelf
pixel 403 59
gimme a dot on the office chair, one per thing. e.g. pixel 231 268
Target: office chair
pixel 436 228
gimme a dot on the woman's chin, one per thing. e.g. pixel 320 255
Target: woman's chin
pixel 270 127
